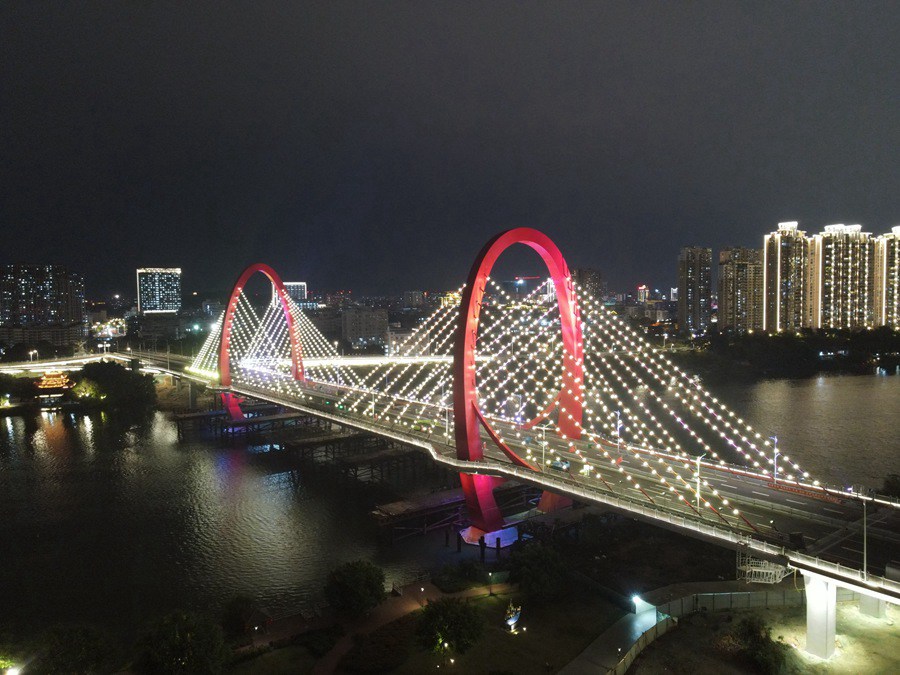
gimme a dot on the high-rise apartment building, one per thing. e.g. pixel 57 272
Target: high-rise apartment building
pixel 784 278
pixel 590 281
pixel 40 295
pixel 887 279
pixel 296 290
pixel 41 303
pixel 841 278
pixel 694 289
pixel 159 290
pixel 740 290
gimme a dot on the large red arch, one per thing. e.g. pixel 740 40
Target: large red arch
pixel 466 415
pixel 228 323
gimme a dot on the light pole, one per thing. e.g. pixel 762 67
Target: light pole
pixel 865 550
pixel 446 413
pixel 665 337
pixel 543 447
pixel 32 354
pixel 618 432
pixel 699 457
pixel 775 460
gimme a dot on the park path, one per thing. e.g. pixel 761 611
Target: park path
pixel 412 598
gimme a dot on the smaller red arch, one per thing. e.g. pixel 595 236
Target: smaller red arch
pixel 228 323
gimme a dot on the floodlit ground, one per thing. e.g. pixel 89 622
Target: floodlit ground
pixel 864 644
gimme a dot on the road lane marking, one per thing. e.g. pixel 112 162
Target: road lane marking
pixel 759 493
pixel 825 508
pixel 852 550
pixel 794 501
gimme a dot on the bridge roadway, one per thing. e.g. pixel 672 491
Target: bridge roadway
pixel 802 511
pixel 830 523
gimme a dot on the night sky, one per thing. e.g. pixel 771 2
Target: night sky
pixel 376 145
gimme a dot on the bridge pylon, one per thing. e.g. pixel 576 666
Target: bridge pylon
pixel 468 419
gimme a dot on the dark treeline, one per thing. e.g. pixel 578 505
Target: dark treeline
pixel 794 354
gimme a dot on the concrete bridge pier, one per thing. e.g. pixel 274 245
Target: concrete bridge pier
pixel 873 607
pixel 821 615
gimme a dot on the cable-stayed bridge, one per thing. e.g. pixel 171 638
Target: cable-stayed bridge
pixel 555 390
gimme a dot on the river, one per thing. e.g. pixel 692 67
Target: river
pixel 115 521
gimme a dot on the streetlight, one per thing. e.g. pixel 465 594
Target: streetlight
pixel 699 457
pixel 775 460
pixel 32 354
pixel 665 337
pixel 490 583
pixel 446 412
pixel 618 431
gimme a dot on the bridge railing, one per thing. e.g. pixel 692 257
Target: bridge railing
pixel 578 489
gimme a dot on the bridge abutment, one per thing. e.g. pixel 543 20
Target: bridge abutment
pixel 821 615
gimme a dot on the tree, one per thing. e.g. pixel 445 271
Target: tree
pixel 73 649
pixel 539 571
pixel 118 384
pixel 450 621
pixel 355 587
pixel 182 642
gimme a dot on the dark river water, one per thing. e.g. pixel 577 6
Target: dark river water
pixel 116 521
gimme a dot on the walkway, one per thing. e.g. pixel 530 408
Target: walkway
pixel 413 597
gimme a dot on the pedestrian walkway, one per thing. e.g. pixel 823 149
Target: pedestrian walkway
pixel 412 598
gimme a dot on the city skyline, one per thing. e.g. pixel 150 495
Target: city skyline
pixel 379 157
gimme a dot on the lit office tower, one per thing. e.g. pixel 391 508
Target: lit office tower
pixel 694 289
pixel 887 279
pixel 784 278
pixel 296 290
pixel 740 289
pixel 159 290
pixel 841 278
pixel 40 295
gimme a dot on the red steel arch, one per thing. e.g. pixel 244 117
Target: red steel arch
pixel 467 417
pixel 225 344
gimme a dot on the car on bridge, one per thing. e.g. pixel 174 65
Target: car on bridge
pixel 560 464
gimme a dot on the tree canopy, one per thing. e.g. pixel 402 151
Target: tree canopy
pixel 539 570
pixel 355 587
pixel 182 643
pixel 450 621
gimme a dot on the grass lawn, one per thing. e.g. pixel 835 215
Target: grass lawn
pixel 554 634
pixel 292 659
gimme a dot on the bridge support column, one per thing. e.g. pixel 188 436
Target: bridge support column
pixel 873 607
pixel 550 501
pixel 232 405
pixel 821 610
pixel 192 394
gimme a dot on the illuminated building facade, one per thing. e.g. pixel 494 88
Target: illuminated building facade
pixel 296 290
pixel 740 290
pixel 887 279
pixel 159 290
pixel 784 278
pixel 40 295
pixel 840 278
pixel 694 289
